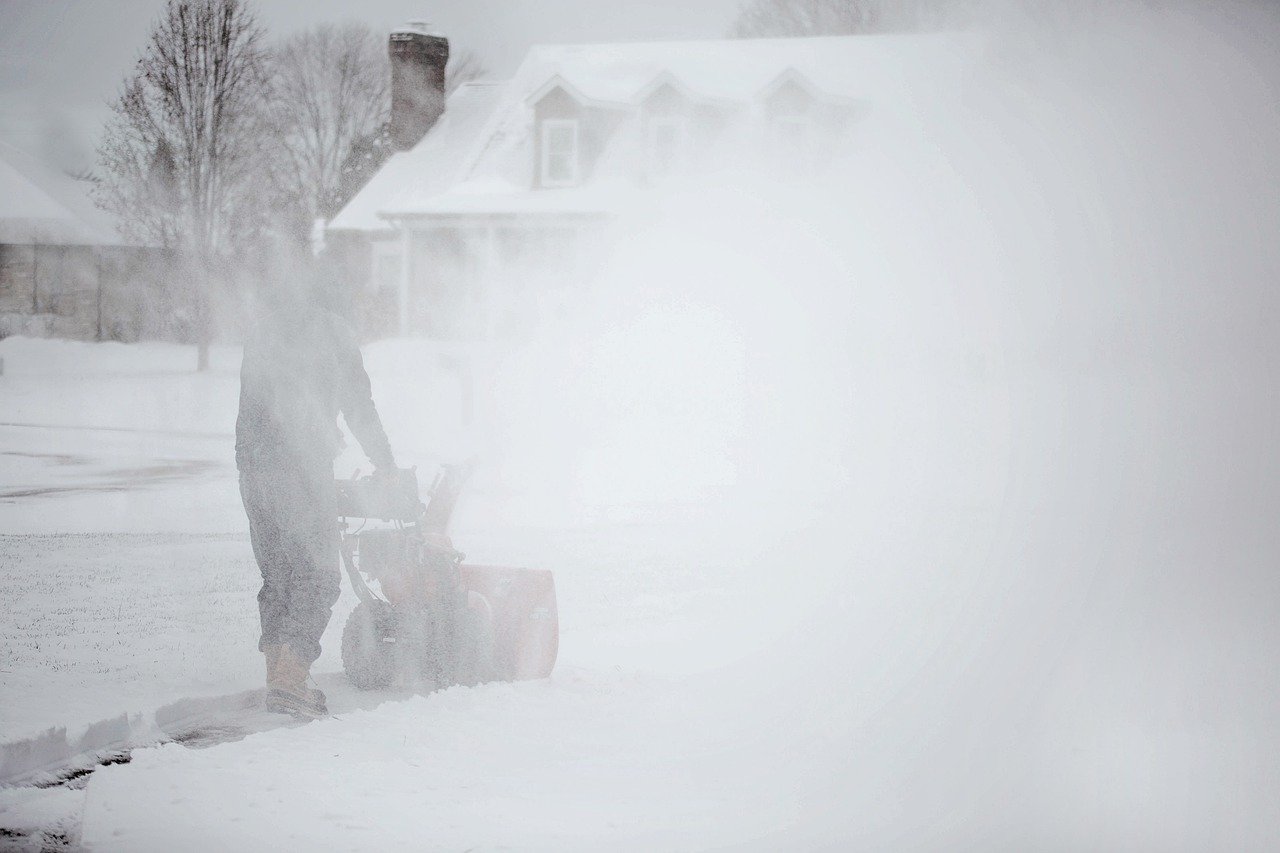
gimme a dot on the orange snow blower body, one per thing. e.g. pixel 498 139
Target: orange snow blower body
pixel 438 620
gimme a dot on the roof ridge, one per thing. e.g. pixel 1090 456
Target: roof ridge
pixel 543 46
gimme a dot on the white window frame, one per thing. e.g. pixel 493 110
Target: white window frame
pixel 653 169
pixel 548 127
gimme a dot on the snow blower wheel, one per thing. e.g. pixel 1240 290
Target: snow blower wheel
pixel 369 645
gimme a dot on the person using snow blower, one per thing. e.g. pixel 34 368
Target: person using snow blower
pixel 301 367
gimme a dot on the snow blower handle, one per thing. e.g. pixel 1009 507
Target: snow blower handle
pixel 444 496
pixel 389 495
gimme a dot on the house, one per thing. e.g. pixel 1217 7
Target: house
pixel 484 225
pixel 64 269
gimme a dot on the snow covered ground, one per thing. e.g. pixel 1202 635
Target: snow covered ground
pixel 968 649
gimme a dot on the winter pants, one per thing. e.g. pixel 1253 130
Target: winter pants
pixel 294 531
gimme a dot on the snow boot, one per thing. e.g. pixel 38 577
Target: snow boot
pixel 287 691
pixel 272 655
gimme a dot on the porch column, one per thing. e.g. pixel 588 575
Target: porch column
pixel 406 275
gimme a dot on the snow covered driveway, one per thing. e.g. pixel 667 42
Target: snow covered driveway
pixel 122 561
pixel 102 624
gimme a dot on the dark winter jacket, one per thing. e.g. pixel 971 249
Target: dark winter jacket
pixel 300 369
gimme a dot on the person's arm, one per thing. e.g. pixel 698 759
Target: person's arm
pixel 355 399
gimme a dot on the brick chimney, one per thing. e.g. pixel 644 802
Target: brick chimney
pixel 418 59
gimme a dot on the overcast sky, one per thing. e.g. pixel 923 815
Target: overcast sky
pixel 61 61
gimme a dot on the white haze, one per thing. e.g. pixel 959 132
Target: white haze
pixel 985 418
pixel 966 451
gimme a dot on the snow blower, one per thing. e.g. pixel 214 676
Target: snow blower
pixel 438 620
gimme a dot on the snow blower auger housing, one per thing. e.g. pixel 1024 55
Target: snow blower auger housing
pixel 438 619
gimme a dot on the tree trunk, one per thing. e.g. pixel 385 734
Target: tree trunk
pixel 201 315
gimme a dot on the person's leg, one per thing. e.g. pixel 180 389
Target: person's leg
pixel 314 583
pixel 258 491
pixel 294 533
pixel 306 528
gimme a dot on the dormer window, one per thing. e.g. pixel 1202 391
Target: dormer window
pixel 560 159
pixel 664 146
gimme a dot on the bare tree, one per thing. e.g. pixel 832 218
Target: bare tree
pixel 330 102
pixel 180 156
pixel 331 87
pixel 790 18
pixel 786 18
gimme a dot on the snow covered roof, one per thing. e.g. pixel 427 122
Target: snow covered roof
pixel 430 167
pixel 39 204
pixel 421 28
pixel 476 156
pixel 730 69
